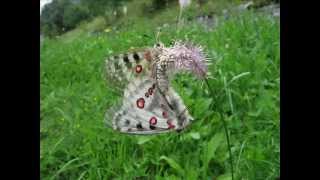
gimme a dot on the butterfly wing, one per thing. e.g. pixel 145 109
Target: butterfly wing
pixel 149 105
pixel 123 68
pixel 145 110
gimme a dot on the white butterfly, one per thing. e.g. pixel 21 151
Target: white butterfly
pixel 149 105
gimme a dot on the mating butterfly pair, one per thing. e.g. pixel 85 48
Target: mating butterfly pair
pixel 149 104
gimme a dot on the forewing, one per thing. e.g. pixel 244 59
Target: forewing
pixel 122 68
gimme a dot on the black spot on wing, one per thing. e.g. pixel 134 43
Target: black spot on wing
pixel 152 127
pixel 125 58
pixel 126 61
pixel 136 57
pixel 139 126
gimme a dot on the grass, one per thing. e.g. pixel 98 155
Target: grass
pixel 75 144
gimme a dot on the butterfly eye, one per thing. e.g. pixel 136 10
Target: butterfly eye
pixel 158 45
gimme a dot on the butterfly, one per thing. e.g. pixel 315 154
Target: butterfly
pixel 149 104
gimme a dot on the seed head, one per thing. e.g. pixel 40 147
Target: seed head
pixel 188 57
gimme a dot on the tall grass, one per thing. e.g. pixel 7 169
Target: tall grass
pixel 75 144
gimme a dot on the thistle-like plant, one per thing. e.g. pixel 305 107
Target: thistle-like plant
pixel 186 57
pixel 192 58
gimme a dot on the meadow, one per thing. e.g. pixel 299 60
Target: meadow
pixel 76 144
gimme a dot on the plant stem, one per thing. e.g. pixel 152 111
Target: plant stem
pixel 179 19
pixel 225 130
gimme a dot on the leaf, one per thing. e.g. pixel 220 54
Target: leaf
pixel 194 135
pixel 212 146
pixel 238 77
pixel 225 177
pixel 173 164
pixel 202 106
pixel 142 140
pixel 82 175
pixel 64 167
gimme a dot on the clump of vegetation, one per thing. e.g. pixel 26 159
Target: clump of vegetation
pixel 61 16
pixel 260 3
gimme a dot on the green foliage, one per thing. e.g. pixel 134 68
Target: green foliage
pixel 159 4
pixel 51 20
pixel 75 144
pixel 98 7
pixel 63 15
pixel 73 15
pixel 260 3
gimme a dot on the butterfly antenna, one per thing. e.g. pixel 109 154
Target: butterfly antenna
pixel 225 130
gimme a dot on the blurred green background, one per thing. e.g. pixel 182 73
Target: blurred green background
pixel 242 38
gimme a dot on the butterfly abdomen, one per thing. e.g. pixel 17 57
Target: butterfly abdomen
pixel 162 77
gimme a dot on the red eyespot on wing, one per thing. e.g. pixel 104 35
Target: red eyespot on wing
pixel 165 114
pixel 153 121
pixel 140 103
pixel 170 125
pixel 138 69
pixel 147 56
